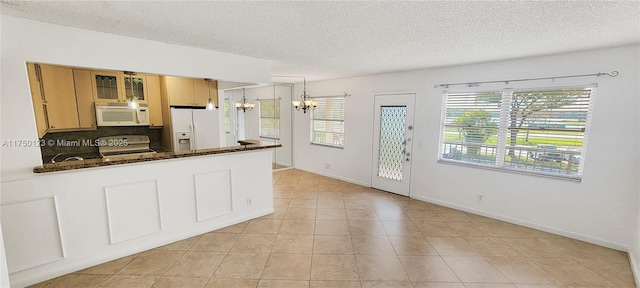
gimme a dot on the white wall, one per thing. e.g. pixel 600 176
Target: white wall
pixel 25 40
pixel 4 270
pixel 601 209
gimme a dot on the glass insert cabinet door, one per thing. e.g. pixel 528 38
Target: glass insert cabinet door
pixel 138 84
pixel 107 86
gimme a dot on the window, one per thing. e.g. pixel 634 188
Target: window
pixel 227 115
pixel 240 130
pixel 327 125
pixel 270 119
pixel 537 131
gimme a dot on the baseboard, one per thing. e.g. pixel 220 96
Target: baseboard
pixel 565 233
pixel 79 265
pixel 634 260
pixel 335 177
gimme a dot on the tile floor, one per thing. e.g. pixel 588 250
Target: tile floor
pixel 329 233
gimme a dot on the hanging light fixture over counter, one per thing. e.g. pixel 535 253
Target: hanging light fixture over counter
pixel 210 105
pixel 307 102
pixel 244 104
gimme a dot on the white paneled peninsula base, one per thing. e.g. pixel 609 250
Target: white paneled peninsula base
pixel 60 222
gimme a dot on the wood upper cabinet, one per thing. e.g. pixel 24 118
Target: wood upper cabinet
pixel 60 97
pixel 114 86
pixel 84 98
pixel 38 99
pixel 179 90
pixel 154 100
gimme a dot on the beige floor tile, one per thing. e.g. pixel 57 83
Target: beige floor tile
pixel 522 270
pixel 392 215
pixel 304 203
pixel 436 229
pixel 329 188
pixel 353 195
pixel 293 244
pixel 412 245
pixel 196 264
pixel 361 214
pixel 357 204
pixel 78 280
pixel 533 247
pixel 335 284
pixel 475 269
pixel 332 244
pixel 428 269
pixel 453 215
pixel 467 228
pixel 423 216
pixel 326 227
pixel 383 203
pixel 329 195
pixel 581 250
pixel 305 195
pixel 129 281
pixel 452 246
pixel 539 286
pixel 570 272
pixel 334 267
pixel 438 285
pixel 281 203
pixel 288 267
pixel 152 262
pixel 263 226
pixel 372 245
pixel 232 283
pixel 335 214
pixel 296 213
pixel 331 203
pixel 111 267
pixel 619 274
pixel 181 245
pixel 481 219
pixel 366 227
pixel 400 228
pixel 242 265
pixel 297 227
pixel 42 284
pixel 237 228
pixel 215 242
pixel 489 285
pixel 390 284
pixel 254 243
pixel 504 229
pixel 491 246
pixel 412 205
pixel 180 282
pixel 380 268
pixel 283 284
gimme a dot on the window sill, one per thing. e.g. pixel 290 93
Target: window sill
pixel 327 145
pixel 515 171
pixel 270 138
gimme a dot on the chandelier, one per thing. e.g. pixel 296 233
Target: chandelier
pixel 307 102
pixel 244 104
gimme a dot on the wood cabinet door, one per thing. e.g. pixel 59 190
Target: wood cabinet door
pixel 84 98
pixel 213 87
pixel 154 100
pixel 179 90
pixel 201 92
pixel 107 86
pixel 139 87
pixel 60 97
pixel 37 98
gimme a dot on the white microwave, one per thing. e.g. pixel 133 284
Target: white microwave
pixel 116 114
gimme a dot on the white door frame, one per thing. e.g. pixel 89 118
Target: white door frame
pixel 407 99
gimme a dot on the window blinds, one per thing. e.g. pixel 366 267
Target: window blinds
pixel 270 118
pixel 327 125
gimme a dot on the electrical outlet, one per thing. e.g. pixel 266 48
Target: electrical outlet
pixel 480 198
pixel 249 201
pixel 327 166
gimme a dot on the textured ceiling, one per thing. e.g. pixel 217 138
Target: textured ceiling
pixel 323 40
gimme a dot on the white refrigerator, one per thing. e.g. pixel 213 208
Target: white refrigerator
pixel 194 129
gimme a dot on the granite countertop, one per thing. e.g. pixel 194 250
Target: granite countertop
pixel 99 162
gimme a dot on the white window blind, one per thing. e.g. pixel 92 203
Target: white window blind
pixel 327 125
pixel 270 119
pixel 539 131
pixel 227 115
pixel 240 128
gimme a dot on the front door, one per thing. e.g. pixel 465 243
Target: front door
pixel 392 143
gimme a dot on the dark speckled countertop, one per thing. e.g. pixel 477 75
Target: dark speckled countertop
pixel 99 162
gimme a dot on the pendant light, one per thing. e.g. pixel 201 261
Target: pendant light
pixel 210 105
pixel 132 100
pixel 307 102
pixel 244 104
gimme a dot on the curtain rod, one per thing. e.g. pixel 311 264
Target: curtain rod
pixel 475 84
pixel 331 96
